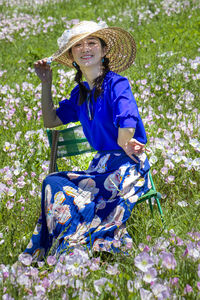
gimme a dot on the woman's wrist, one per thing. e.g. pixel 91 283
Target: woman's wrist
pixel 124 136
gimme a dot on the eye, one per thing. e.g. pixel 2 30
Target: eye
pixel 77 45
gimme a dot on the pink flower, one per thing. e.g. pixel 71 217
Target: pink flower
pixel 174 281
pixel 143 247
pixel 168 260
pixel 168 163
pixel 177 135
pixel 193 251
pixel 160 291
pixel 154 171
pixel 198 285
pixel 116 243
pixel 95 264
pixel 145 295
pixel 150 275
pixel 99 284
pixel 5 274
pixel 40 290
pixel 25 258
pixel 51 260
pixel 164 170
pixel 188 289
pixel 143 261
pixel 148 237
pixel 112 270
pixel 179 241
pixel 170 179
pixel 198 270
pixel 9 204
pixel 7 297
pixel 194 235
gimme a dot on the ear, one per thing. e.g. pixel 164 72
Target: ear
pixel 69 54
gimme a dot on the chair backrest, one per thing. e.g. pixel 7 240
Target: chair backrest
pixel 67 142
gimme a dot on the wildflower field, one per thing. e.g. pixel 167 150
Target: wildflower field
pixel 164 262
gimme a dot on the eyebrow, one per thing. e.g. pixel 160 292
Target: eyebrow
pixel 92 38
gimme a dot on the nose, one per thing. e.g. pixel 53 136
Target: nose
pixel 85 46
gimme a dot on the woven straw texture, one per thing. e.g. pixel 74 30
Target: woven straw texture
pixel 120 44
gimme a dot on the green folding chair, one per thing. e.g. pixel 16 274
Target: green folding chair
pixel 71 142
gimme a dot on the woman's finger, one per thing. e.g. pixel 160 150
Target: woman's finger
pixel 137 142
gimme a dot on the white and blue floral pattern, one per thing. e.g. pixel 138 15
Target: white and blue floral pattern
pixel 90 208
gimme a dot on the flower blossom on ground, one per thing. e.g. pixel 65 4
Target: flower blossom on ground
pixel 143 261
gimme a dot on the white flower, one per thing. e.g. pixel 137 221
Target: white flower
pixel 182 203
pixel 99 284
pixel 150 275
pixel 11 192
pixel 196 162
pixel 194 143
pixel 143 261
pixel 153 159
pixel 25 258
pixel 145 294
pixel 130 286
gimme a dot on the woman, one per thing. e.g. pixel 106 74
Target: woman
pixel 90 208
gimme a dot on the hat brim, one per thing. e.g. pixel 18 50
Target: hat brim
pixel 121 48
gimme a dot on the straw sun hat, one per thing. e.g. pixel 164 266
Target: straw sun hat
pixel 121 47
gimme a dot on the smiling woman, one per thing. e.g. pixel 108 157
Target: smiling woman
pixel 87 50
pixel 90 208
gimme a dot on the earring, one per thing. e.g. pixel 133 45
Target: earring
pixel 102 60
pixel 74 64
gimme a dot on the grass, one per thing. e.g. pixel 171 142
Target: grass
pixel 165 81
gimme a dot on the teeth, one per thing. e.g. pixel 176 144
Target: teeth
pixel 87 56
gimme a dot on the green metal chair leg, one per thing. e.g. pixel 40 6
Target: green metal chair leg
pixel 160 210
pixel 151 206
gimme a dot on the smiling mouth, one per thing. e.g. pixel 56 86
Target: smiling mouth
pixel 86 56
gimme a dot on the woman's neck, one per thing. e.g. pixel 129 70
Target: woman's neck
pixel 91 73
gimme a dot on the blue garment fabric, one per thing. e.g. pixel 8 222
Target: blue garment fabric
pixel 90 208
pixel 116 107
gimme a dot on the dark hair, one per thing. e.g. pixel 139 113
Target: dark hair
pixel 97 81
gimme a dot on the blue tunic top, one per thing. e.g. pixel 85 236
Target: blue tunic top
pixel 115 107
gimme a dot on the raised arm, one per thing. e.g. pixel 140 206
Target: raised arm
pixel 44 72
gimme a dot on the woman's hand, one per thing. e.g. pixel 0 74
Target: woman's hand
pixel 130 145
pixel 43 71
pixel 133 147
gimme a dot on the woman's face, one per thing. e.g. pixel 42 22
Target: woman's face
pixel 88 52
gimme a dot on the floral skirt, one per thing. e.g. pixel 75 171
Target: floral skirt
pixel 90 208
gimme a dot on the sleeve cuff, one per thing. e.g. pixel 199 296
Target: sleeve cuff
pixel 127 122
pixel 60 115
